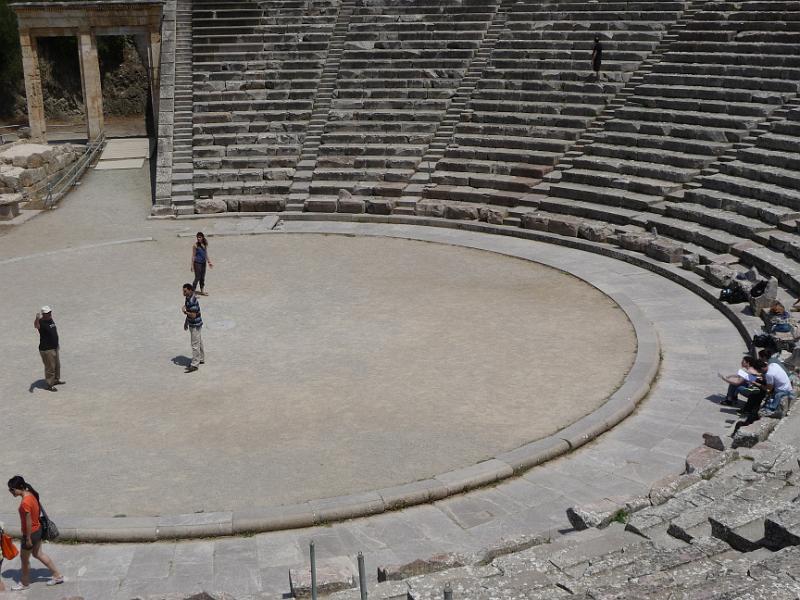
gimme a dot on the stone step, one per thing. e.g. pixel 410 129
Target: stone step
pixel 728 221
pixel 475 195
pixel 485 180
pixel 687 117
pixel 590 210
pixel 677 145
pixel 474 165
pixel 635 167
pixel 511 142
pixel 701 105
pixel 682 164
pixel 603 195
pixel 391 189
pixel 758 190
pixel 755 209
pixel 586 172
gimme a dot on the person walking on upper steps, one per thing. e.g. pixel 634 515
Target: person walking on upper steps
pixel 193 323
pixel 597 57
pixel 48 348
pixel 200 258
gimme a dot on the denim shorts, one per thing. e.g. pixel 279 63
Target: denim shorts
pixel 36 537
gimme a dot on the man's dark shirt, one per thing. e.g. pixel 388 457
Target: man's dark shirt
pixel 48 335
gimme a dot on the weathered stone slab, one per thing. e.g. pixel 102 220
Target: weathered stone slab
pixel 534 221
pixel 636 242
pixel 706 461
pixel 665 489
pixel 492 215
pixel 420 566
pixel 664 251
pixel 333 575
pixel 714 441
pixel 430 209
pixel 594 232
pixel 464 212
pixel 603 512
pixel 565 226
pixel 380 206
pixel 752 434
pixel 208 206
pixel 321 205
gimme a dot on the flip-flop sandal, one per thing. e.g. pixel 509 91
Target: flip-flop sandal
pixel 19 587
pixel 55 580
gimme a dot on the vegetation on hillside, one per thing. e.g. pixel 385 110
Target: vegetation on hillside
pixel 124 77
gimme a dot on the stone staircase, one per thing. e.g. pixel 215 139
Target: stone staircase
pixel 298 193
pixel 402 65
pixel 257 68
pixel 182 168
pixel 539 94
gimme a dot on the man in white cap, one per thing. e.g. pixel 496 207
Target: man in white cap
pixel 48 347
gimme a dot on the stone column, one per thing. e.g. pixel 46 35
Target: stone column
pixel 90 79
pixel 33 85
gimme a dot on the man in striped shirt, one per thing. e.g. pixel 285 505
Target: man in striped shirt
pixel 194 323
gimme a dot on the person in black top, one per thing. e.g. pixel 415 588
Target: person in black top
pixel 48 348
pixel 755 393
pixel 597 57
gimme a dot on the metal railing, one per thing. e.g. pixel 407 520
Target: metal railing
pixel 53 189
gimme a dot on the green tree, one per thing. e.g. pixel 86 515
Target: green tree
pixel 10 59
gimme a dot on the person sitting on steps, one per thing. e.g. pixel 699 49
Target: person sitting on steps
pixel 738 383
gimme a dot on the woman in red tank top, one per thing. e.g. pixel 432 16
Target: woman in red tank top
pixel 29 511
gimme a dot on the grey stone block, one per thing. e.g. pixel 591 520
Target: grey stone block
pixel 563 226
pixel 706 461
pixel 352 205
pixel 430 209
pixel 602 513
pixel 421 566
pixel 409 494
pixel 493 215
pixel 594 232
pixel 333 575
pixel 208 206
pixel 690 261
pixel 719 275
pixel 665 489
pixel 464 212
pixel 483 473
pixel 754 433
pixel 321 205
pixel 535 453
pixel 272 519
pixel 194 525
pixel 664 251
pixel 636 242
pixel 380 206
pixel 534 221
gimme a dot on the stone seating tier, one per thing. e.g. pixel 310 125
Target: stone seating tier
pixel 688 131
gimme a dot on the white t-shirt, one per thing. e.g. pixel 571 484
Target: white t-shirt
pixel 778 379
